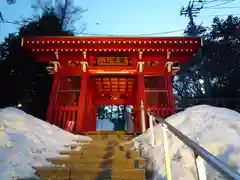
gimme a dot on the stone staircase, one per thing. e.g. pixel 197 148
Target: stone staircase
pixel 104 158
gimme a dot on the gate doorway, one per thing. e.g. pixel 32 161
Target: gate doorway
pixel 114 118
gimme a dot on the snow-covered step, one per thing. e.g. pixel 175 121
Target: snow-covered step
pixel 47 173
pixel 105 132
pixel 115 162
pixel 128 154
pixel 80 152
pixel 111 156
pixel 97 145
pixel 87 153
pixel 104 156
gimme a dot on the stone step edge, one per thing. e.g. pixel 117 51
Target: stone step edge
pixel 84 151
pixel 40 170
pixel 92 160
pixel 80 168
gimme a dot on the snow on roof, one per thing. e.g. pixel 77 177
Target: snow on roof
pixel 26 141
pixel 215 129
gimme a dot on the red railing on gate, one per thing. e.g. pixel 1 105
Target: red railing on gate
pixel 162 111
pixel 65 117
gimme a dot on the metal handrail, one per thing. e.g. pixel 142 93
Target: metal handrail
pixel 200 151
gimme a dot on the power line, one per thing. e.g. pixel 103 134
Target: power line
pixel 99 34
pixel 188 11
pixel 195 6
pixel 206 2
pixel 216 5
pixel 237 7
pixel 159 33
pixel 211 15
pixel 11 22
pixel 213 4
pixel 150 34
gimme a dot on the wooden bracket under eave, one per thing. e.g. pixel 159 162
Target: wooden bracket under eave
pixel 22 41
pixel 56 55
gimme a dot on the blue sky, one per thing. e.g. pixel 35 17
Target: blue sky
pixel 121 17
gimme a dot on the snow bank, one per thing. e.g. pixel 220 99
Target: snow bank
pixel 216 129
pixel 26 141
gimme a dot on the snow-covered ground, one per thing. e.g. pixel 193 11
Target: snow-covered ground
pixel 216 129
pixel 26 141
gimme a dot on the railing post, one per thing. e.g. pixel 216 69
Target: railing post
pixel 151 129
pixel 202 155
pixel 166 153
pixel 142 117
pixel 201 169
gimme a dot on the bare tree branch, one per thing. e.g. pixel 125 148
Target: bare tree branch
pixel 65 10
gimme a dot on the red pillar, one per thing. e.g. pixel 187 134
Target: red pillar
pixel 52 99
pixel 93 118
pixel 137 126
pixel 135 119
pixel 136 109
pixel 88 123
pixel 140 98
pixel 82 103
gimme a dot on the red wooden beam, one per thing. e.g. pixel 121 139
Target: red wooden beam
pixel 75 45
pixel 99 102
pixel 70 71
pixel 107 40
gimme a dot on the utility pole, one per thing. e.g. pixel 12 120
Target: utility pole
pixel 195 6
pixel 192 10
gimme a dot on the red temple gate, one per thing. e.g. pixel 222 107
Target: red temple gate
pixel 93 71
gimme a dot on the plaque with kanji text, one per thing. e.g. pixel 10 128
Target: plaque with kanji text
pixel 112 61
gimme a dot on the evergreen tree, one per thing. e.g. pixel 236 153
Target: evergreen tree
pixel 25 80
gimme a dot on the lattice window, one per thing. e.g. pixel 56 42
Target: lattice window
pixel 152 98
pixel 70 83
pixel 114 84
pixel 68 98
pixel 151 82
pixel 69 90
pixel 158 97
pixel 155 82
